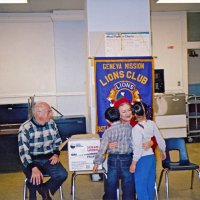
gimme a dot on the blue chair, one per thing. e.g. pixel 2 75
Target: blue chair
pixel 176 144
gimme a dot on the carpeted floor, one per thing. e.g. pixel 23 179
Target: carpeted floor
pixel 11 184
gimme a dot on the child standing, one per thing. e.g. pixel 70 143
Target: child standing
pixel 144 163
pixel 119 158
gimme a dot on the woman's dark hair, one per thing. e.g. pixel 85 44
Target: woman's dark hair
pixel 140 108
pixel 112 114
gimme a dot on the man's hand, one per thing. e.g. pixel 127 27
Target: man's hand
pixel 54 159
pixel 37 176
pixel 95 168
pixel 112 145
pixel 147 145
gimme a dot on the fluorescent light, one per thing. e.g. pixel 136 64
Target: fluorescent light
pixel 13 1
pixel 178 1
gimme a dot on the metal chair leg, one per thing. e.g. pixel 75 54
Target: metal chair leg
pixel 192 179
pixel 156 191
pixel 71 182
pixel 104 180
pixel 25 192
pixel 160 180
pixel 73 186
pixel 61 193
pixel 198 172
pixel 118 188
pixel 166 184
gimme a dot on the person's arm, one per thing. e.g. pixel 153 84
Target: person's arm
pixel 137 138
pixel 154 145
pixel 150 144
pixel 159 138
pixel 99 157
pixel 23 146
pixel 95 168
pixel 56 138
pixel 133 166
pixel 133 122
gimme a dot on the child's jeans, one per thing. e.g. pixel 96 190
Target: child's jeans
pixel 118 168
pixel 145 177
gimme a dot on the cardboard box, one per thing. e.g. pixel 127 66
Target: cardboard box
pixel 81 153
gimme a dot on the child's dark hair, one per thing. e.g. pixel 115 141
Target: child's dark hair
pixel 112 114
pixel 140 108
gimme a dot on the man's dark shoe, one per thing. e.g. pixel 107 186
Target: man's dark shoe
pixel 44 192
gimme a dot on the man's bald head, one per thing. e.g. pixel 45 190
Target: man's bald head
pixel 42 112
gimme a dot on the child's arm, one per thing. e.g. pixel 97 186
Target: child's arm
pixel 137 138
pixel 100 156
pixel 150 144
pixel 159 139
pixel 95 168
pixel 163 155
pixel 133 166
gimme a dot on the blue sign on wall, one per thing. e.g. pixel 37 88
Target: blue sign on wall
pixel 129 77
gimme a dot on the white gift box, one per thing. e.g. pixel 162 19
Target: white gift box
pixel 81 153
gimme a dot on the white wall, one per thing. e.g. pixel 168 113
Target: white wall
pixel 26 58
pixel 44 55
pixel 167 39
pixel 118 15
pixel 70 67
pixel 170 48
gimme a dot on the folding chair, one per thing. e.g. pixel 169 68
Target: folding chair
pixel 25 192
pixel 176 144
pixel 84 172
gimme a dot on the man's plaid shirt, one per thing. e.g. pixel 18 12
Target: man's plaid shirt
pixel 37 140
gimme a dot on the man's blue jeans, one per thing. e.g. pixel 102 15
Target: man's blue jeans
pixel 57 174
pixel 118 168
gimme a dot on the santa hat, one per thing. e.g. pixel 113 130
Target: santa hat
pixel 120 101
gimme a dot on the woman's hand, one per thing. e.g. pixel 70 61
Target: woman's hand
pixel 112 145
pixel 147 145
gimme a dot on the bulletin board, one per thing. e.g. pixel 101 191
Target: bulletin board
pixel 127 44
pixel 120 44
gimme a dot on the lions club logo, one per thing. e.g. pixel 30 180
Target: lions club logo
pixel 124 89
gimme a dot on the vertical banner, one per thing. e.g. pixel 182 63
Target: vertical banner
pixel 129 77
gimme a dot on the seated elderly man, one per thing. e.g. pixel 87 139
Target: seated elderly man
pixel 39 141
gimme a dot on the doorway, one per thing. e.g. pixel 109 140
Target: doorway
pixel 194 72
